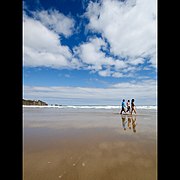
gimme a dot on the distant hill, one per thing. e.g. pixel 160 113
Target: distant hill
pixel 34 102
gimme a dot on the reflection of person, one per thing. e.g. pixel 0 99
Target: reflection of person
pixel 123 106
pixel 134 124
pixel 133 106
pixel 128 106
pixel 124 122
pixel 129 122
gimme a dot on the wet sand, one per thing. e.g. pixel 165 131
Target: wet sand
pixel 89 144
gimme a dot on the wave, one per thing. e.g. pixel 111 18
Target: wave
pixel 90 107
pixel 146 107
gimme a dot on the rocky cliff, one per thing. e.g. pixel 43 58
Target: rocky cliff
pixel 34 102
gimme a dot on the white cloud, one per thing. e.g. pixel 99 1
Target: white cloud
pixel 117 74
pixel 42 47
pixel 129 26
pixel 136 61
pixel 144 92
pixel 105 73
pixel 56 21
pixel 92 55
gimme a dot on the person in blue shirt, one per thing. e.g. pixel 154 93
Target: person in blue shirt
pixel 123 106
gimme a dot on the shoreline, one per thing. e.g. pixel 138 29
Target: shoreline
pixel 154 107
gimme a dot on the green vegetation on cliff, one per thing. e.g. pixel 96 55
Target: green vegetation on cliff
pixel 34 102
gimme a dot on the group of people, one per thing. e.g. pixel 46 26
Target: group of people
pixel 130 108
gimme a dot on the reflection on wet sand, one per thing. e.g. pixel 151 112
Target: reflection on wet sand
pixel 134 124
pixel 124 121
pixel 130 121
pixel 89 145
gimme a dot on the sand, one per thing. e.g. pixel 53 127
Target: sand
pixel 78 144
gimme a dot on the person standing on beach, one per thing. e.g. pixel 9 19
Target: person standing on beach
pixel 128 106
pixel 123 106
pixel 133 106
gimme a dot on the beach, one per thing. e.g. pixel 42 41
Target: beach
pixel 89 144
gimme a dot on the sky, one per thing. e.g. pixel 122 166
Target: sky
pixel 90 52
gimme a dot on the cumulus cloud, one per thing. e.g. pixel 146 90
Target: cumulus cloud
pixel 129 26
pixel 92 53
pixel 42 47
pixel 108 72
pixel 143 91
pixel 105 73
pixel 128 38
pixel 56 21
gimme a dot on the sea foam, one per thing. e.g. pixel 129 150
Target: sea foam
pixel 90 107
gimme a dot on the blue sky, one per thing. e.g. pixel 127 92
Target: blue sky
pixel 90 52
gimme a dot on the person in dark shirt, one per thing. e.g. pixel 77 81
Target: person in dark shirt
pixel 133 108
